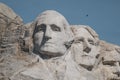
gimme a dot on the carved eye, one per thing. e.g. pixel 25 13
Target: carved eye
pixel 55 28
pixel 41 27
pixel 110 63
pixel 91 41
pixel 79 40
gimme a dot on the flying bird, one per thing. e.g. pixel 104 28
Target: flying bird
pixel 86 15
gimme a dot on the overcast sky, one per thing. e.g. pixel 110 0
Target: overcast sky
pixel 102 15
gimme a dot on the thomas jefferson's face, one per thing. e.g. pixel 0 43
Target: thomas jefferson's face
pixel 50 35
pixel 87 49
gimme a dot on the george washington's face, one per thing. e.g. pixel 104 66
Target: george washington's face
pixel 50 34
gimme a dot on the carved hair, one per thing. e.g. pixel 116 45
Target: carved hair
pixel 89 29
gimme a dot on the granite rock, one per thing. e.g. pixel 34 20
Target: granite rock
pixel 50 48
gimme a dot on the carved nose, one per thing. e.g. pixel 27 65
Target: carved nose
pixel 48 33
pixel 87 49
pixel 47 38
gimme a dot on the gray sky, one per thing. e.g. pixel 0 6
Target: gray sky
pixel 102 15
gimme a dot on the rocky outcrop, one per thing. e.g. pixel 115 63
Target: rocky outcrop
pixel 54 50
pixel 10 32
pixel 10 27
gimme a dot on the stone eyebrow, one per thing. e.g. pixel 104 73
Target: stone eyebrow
pixel 55 27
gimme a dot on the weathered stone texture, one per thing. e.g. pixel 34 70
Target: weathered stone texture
pixel 49 48
pixel 10 27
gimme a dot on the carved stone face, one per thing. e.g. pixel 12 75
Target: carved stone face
pixel 86 49
pixel 51 33
pixel 111 61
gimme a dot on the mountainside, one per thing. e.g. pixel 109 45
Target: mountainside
pixel 49 48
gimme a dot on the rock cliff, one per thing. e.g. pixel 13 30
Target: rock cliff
pixel 49 48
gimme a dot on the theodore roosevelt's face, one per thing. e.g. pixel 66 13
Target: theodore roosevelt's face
pixel 111 62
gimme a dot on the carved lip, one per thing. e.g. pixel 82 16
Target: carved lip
pixel 87 55
pixel 49 44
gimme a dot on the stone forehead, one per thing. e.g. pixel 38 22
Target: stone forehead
pixel 112 56
pixel 79 28
pixel 51 14
pixel 81 31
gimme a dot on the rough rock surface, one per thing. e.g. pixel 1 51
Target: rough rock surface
pixel 10 27
pixel 49 48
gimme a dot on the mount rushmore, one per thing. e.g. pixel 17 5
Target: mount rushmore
pixel 49 48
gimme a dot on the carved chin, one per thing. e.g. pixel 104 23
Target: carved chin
pixel 51 51
pixel 87 60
